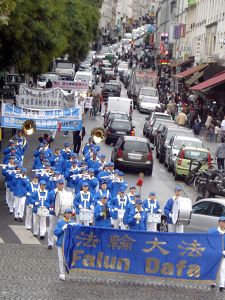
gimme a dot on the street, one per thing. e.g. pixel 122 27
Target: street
pixel 29 266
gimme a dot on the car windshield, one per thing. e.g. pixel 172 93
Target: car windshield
pixel 180 143
pixel 146 92
pixel 121 125
pixel 164 117
pixel 150 100
pixel 64 65
pixel 195 155
pixel 84 77
pixel 111 87
pixel 135 146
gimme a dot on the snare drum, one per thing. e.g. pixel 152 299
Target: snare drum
pixel 182 209
pixel 63 201
pixel 86 215
pixel 154 218
pixel 42 211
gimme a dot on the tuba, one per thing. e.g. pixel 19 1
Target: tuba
pixel 98 134
pixel 29 127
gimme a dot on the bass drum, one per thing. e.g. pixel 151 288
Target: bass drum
pixel 63 201
pixel 182 209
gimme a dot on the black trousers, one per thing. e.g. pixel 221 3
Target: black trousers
pixel 220 163
pixel 77 143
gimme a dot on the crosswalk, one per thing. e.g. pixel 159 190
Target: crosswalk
pixel 18 234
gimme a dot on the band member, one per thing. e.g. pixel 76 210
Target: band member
pixel 65 152
pixel 137 217
pixel 83 200
pixel 32 187
pixel 151 206
pixel 103 211
pixel 131 194
pixel 104 174
pixel 168 211
pixel 21 183
pixel 93 162
pixel 38 200
pixel 221 231
pixel 69 176
pixel 119 203
pixel 59 233
pixel 130 206
pixel 92 181
pixel 57 160
pixel 50 204
pixel 117 183
pixel 6 172
pixel 103 191
pixel 12 185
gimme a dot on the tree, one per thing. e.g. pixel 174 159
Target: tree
pixel 34 36
pixel 6 8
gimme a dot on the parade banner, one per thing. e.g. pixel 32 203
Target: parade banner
pixel 54 98
pixel 189 256
pixel 69 119
pixel 71 85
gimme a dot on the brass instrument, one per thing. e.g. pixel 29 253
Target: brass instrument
pixel 29 127
pixel 98 134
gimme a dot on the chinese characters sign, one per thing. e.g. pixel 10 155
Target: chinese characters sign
pixel 171 255
pixel 71 85
pixel 68 119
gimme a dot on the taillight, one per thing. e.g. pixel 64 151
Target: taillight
pixel 181 157
pixel 132 133
pixel 209 160
pixel 149 157
pixel 119 153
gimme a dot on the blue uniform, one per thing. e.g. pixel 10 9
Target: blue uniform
pixel 103 221
pixel 135 224
pixel 115 186
pixel 151 206
pixel 20 186
pixel 32 187
pixel 101 193
pixel 39 199
pixel 168 209
pixel 59 232
pixel 57 161
pixel 72 181
pixel 92 184
pixel 83 199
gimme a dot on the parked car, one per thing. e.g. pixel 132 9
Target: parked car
pixel 133 152
pixel 190 154
pixel 173 148
pixel 114 115
pixel 163 138
pixel 118 127
pixel 205 214
pixel 111 90
pixel 152 117
pixel 148 99
pixel 147 91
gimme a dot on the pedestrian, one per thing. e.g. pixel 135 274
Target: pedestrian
pixel 168 211
pixel 211 131
pixel 78 137
pixel 59 233
pixel 48 84
pixel 196 127
pixel 220 154
pixel 222 126
pixel 181 118
pixel 208 123
pixel 217 132
pixel 220 230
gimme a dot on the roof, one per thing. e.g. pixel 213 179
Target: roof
pixel 181 63
pixel 191 71
pixel 196 148
pixel 136 139
pixel 194 78
pixel 188 138
pixel 210 83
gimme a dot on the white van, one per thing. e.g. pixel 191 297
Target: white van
pixel 86 76
pixel 120 105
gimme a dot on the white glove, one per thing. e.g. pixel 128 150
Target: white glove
pixel 223 252
pixel 116 209
pixel 80 206
pixel 36 203
pixel 64 226
pixel 170 215
pixel 28 194
pixel 101 214
pixel 51 208
pixel 92 207
pixel 159 210
pixel 137 216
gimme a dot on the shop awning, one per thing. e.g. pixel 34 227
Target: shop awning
pixel 181 63
pixel 191 71
pixel 210 83
pixel 194 78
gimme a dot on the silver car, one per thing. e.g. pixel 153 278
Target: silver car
pixel 173 148
pixel 205 214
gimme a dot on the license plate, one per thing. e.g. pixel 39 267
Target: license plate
pixel 120 132
pixel 134 156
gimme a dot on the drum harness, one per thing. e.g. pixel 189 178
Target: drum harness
pixel 85 200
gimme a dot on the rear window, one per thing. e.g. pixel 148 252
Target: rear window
pixel 118 116
pixel 178 132
pixel 111 88
pixel 181 143
pixel 121 125
pixel 163 117
pixel 195 155
pixel 135 146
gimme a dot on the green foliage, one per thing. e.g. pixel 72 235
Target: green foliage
pixel 6 8
pixel 38 31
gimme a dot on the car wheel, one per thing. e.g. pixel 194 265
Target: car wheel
pixel 176 176
pixel 165 163
pixel 169 169
pixel 149 171
pixel 157 154
pixel 144 132
pixel 107 141
pixel 161 158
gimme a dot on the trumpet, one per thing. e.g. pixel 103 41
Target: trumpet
pixel 41 171
pixel 12 171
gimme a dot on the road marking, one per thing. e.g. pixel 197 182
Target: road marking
pixel 1 241
pixel 24 235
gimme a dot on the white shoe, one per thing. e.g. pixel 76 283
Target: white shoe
pixel 62 277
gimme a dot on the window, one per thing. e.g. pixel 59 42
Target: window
pixel 120 125
pixel 195 155
pixel 201 208
pixel 218 210
pixel 133 146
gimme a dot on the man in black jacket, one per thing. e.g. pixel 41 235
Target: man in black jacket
pixel 78 138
